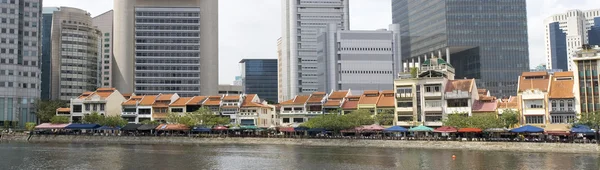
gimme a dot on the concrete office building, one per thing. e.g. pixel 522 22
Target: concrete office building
pixel 302 20
pixel 74 44
pixel 586 65
pixel 259 76
pixel 567 32
pixel 20 28
pixel 485 40
pixel 165 47
pixel 227 89
pixel 357 60
pixel 104 23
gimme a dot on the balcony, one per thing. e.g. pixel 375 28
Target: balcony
pixel 437 68
pixel 315 112
pixel 292 112
pixel 451 110
pixel 404 95
pixel 457 95
pixel 433 105
pixel 432 94
pixel 404 123
pixel 132 114
pixel 404 109
pixel 437 123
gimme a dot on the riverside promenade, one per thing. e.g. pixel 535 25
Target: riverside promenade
pixel 460 145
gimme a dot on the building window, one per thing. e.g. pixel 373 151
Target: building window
pixel 101 107
pixel 534 119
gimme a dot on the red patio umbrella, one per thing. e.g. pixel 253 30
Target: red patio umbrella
pixel 286 129
pixel 470 130
pixel 371 128
pixel 445 129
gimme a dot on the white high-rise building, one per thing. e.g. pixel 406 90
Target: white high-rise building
pixel 165 46
pixel 565 33
pixel 20 73
pixel 302 20
pixel 356 59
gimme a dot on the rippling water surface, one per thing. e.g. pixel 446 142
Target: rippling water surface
pixel 92 156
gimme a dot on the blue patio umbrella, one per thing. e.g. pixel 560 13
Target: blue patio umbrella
pixel 201 129
pixel 300 128
pixel 317 130
pixel 395 129
pixel 527 129
pixel 78 126
pixel 581 129
pixel 108 128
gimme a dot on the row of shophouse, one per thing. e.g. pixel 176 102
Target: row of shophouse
pixel 543 99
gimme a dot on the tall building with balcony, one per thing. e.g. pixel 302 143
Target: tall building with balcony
pixel 586 78
pixel 421 98
pixel 485 40
pixel 165 47
pixel 566 32
pixel 74 54
pixel 301 21
pixel 533 92
pixel 357 60
pixel 104 23
pixel 20 43
pixel 259 76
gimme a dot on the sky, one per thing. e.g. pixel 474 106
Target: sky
pixel 250 28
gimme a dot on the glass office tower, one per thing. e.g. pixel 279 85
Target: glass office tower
pixel 485 40
pixel 259 76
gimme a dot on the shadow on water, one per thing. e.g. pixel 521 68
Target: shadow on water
pixel 99 156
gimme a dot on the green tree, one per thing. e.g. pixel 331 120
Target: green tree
pixel 591 119
pixel 360 117
pixel 509 118
pixel 46 109
pixel 413 72
pixel 458 120
pixel 385 118
pixel 59 119
pixel 92 118
pixel 30 126
pixel 113 121
pixel 480 120
pixel 206 117
pixel 15 124
pixel 150 122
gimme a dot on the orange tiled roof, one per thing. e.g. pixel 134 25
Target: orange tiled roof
pixel 160 104
pixel 563 74
pixel 287 102
pixel 510 103
pixel 85 94
pixel 232 97
pixel 332 103
pixel 148 100
pixel 369 97
pixel 63 110
pixel 386 100
pixel 180 102
pixel 137 97
pixel 127 95
pixel 387 92
pixel 248 101
pixel 351 103
pixel 561 89
pixel 541 84
pixel 104 94
pixel 196 100
pixel 482 91
pixel 462 85
pixel 130 102
pixel 213 101
pixel 300 100
pixel 316 97
pixel 230 106
pixel 319 93
pixel 338 95
pixel 484 106
pixel 164 97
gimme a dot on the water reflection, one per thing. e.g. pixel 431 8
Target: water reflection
pixel 90 156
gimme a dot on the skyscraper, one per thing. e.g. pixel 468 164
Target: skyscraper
pixel 485 40
pixel 567 32
pixel 104 23
pixel 259 76
pixel 165 47
pixel 74 53
pixel 19 60
pixel 46 63
pixel 301 21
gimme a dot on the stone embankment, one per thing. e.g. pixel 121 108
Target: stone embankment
pixel 485 146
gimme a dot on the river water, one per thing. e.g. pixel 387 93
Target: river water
pixel 279 157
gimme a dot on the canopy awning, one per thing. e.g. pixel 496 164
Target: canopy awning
pixel 581 129
pixel 108 128
pixel 51 126
pixel 371 128
pixel 498 130
pixel 147 127
pixel 131 127
pixel 527 129
pixel 469 130
pixel 201 129
pixel 421 128
pixel 446 129
pixel 300 128
pixel 176 127
pixel 286 129
pixel 220 128
pixel 249 127
pixel 77 126
pixel 395 129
